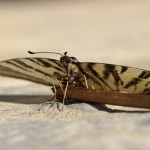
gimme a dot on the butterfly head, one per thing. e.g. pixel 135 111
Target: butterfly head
pixel 66 60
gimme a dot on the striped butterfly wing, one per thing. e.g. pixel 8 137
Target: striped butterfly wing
pixel 115 78
pixel 39 70
pixel 98 75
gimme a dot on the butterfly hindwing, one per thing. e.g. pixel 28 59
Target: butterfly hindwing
pixel 116 77
pixel 39 70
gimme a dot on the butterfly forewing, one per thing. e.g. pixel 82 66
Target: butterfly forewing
pixel 116 78
pixel 39 70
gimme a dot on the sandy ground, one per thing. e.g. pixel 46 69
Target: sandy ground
pixel 98 31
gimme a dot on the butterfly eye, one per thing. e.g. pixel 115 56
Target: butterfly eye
pixel 67 59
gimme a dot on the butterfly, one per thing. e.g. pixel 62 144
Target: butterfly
pixel 69 71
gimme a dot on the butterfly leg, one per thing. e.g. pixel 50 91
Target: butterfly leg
pixel 59 84
pixel 53 99
pixel 86 81
pixel 48 102
pixel 92 87
pixel 65 92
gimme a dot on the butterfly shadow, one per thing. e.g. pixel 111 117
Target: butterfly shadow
pixel 25 99
pixel 39 99
pixel 106 108
pixel 103 107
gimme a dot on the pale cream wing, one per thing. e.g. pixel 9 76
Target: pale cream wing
pixel 39 70
pixel 116 77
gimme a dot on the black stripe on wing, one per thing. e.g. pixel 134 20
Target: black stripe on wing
pixel 110 69
pixel 144 75
pixel 88 70
pixel 29 67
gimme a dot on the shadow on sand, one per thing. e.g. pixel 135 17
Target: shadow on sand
pixel 38 99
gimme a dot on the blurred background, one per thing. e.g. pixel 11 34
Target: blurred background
pixel 108 31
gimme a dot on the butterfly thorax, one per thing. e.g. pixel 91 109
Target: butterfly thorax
pixel 70 64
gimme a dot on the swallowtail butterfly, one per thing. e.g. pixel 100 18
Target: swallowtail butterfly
pixel 83 74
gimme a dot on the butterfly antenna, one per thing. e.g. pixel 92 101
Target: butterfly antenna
pixel 30 52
